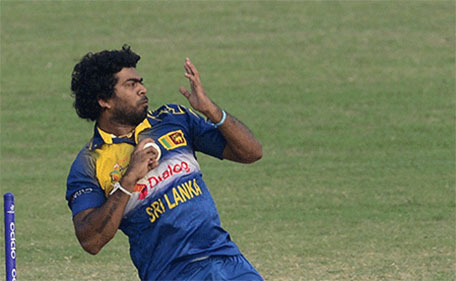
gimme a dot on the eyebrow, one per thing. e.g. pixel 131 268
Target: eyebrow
pixel 140 80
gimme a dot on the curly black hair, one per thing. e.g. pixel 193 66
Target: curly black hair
pixel 93 79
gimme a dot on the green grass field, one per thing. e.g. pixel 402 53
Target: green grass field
pixel 353 101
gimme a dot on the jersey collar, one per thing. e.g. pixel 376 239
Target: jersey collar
pixel 101 137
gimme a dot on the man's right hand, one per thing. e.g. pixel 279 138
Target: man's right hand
pixel 142 160
pixel 96 227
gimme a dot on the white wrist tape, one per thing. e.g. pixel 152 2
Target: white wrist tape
pixel 118 186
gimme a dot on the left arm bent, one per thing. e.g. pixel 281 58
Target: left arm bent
pixel 241 145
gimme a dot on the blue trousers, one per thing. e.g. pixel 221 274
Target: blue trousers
pixel 220 268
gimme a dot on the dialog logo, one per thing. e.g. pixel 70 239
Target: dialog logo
pixel 156 178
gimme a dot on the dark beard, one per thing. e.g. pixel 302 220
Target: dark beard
pixel 127 116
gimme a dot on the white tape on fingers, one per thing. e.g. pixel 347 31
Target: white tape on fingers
pixel 154 145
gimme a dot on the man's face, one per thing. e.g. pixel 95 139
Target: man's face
pixel 129 102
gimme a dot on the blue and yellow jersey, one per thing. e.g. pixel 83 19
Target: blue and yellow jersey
pixel 171 216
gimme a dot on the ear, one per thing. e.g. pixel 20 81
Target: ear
pixel 105 104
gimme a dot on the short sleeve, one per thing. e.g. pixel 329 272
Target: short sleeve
pixel 83 191
pixel 206 137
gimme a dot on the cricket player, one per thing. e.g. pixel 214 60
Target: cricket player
pixel 139 172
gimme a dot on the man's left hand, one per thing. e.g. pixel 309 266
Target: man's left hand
pixel 241 145
pixel 197 97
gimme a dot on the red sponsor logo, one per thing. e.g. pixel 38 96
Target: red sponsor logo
pixel 168 173
pixel 171 171
pixel 142 189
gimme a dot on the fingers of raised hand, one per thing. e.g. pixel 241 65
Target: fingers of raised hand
pixel 184 92
pixel 190 67
pixel 191 71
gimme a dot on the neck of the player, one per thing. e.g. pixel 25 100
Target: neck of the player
pixel 109 126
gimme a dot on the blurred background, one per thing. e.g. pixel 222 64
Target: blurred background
pixel 353 101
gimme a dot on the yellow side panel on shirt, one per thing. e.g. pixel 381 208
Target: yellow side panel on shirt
pixel 112 163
